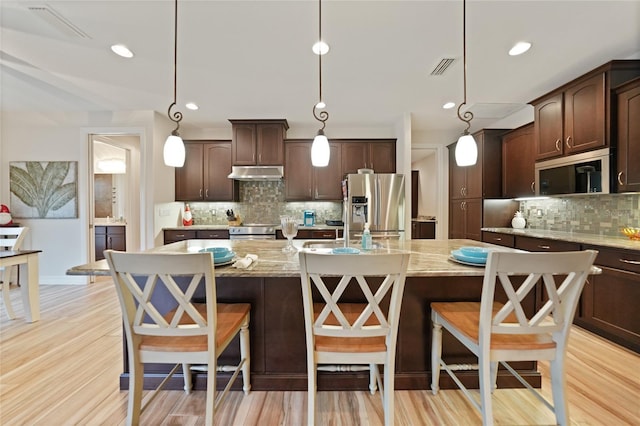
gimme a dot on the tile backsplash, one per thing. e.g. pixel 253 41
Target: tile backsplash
pixel 591 214
pixel 262 202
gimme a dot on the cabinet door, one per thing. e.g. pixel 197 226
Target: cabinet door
pixel 628 172
pixel 354 156
pixel 548 127
pixel 117 242
pixel 172 236
pixel 457 176
pixel 298 171
pixel 270 149
pixel 189 177
pixel 244 144
pixel 473 219
pixel 382 157
pixel 457 219
pixel 584 115
pixel 100 237
pixel 327 180
pixel 474 181
pixel 217 166
pixel 518 163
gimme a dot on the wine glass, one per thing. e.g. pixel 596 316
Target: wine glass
pixel 289 230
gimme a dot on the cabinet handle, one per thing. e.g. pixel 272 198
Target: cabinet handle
pixel 463 205
pixel 179 235
pixel 620 178
pixel 533 187
pixel 568 142
pixel 206 193
pixel 557 144
pixel 462 191
pixel 497 239
pixel 544 247
pixel 200 192
pixel 630 262
pixel 109 244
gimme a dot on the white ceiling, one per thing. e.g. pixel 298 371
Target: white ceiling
pixel 253 59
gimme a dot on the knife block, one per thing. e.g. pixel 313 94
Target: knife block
pixel 236 222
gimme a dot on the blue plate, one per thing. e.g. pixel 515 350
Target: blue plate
pixel 480 252
pixel 458 255
pixel 217 252
pixel 345 250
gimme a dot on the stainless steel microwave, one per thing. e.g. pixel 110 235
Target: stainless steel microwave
pixel 584 173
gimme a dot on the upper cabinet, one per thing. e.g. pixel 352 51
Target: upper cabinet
pixel 379 155
pixel 628 130
pixel 258 142
pixel 204 174
pixel 303 182
pixel 518 162
pixel 577 116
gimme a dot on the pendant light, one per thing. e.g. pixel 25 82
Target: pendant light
pixel 174 152
pixel 466 148
pixel 320 151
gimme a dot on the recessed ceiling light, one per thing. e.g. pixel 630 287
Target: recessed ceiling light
pixel 320 48
pixel 122 50
pixel 192 106
pixel 449 105
pixel 519 48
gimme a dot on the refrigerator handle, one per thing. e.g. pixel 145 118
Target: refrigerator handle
pixel 378 195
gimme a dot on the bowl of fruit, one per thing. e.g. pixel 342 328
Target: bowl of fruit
pixel 631 232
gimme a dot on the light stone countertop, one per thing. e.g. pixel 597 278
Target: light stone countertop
pixel 620 242
pixel 429 258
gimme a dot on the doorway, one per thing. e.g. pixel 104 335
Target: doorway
pixel 114 188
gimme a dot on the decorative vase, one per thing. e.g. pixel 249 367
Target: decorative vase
pixel 518 221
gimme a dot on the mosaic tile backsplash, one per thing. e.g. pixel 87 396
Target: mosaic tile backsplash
pixel 262 202
pixel 591 214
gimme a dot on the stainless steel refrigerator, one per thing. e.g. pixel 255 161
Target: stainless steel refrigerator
pixel 376 199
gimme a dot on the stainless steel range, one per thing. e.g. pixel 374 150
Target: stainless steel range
pixel 252 232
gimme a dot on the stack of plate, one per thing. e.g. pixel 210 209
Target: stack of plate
pixel 475 256
pixel 221 255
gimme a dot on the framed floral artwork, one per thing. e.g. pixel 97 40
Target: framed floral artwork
pixel 43 189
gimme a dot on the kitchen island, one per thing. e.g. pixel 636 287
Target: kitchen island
pixel 272 287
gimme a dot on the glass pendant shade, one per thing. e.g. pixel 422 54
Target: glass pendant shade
pixel 466 151
pixel 320 151
pixel 174 152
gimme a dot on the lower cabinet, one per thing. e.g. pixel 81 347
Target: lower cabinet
pixel 312 234
pixel 465 219
pixel 423 230
pixel 609 304
pixel 173 235
pixel 109 238
pixel 505 240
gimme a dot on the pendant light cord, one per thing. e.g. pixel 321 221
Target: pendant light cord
pixel 322 116
pixel 468 115
pixel 176 117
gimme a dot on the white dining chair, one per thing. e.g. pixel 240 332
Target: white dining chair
pixel 500 332
pixel 339 332
pixel 190 333
pixel 10 239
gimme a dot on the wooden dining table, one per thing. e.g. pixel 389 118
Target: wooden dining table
pixel 27 261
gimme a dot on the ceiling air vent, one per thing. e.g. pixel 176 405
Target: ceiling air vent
pixel 56 20
pixel 442 66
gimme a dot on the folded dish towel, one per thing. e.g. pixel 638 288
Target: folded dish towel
pixel 246 261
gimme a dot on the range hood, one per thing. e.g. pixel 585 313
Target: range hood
pixel 256 172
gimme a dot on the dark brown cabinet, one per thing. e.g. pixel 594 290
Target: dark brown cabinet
pixel 423 230
pixel 312 234
pixel 576 117
pixel 204 174
pixel 258 142
pixel 469 186
pixel 109 238
pixel 628 130
pixel 609 302
pixel 174 235
pixel 518 162
pixel 303 182
pixel 377 155
pixel 505 240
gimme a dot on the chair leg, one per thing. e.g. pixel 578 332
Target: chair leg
pixel 136 381
pixel 389 408
pixel 373 378
pixel 186 373
pixel 436 354
pixel 246 355
pixel 484 372
pixel 212 368
pixel 6 295
pixel 558 388
pixel 311 393
pixel 494 376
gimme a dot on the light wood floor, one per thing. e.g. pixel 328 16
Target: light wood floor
pixel 64 370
